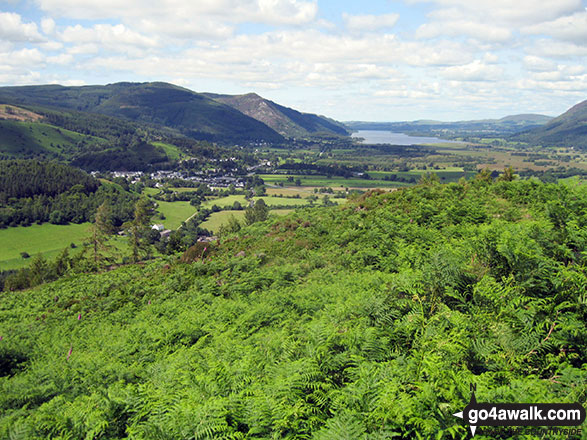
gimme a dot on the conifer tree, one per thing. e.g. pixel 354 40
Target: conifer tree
pixel 100 231
pixel 138 228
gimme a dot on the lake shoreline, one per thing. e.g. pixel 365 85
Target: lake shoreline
pixel 394 138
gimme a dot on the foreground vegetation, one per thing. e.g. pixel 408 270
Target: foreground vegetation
pixel 362 321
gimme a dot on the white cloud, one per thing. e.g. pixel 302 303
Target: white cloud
pixel 538 64
pixel 84 49
pixel 480 31
pixel 13 29
pixel 51 46
pixel 499 12
pixel 403 93
pixel 577 86
pixel 498 21
pixel 18 78
pixel 285 11
pixel 475 71
pixel 185 28
pixel 23 58
pixel 115 37
pixel 236 11
pixel 560 73
pixel 62 59
pixel 72 82
pixel 48 25
pixel 557 49
pixel 570 28
pixel 289 59
pixel 369 23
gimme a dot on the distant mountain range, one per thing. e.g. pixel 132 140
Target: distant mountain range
pixel 201 116
pixel 507 125
pixel 566 130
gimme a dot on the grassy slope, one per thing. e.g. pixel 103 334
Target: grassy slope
pixel 23 138
pixel 172 152
pixel 47 239
pixel 363 321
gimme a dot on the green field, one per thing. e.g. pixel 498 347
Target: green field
pixel 324 181
pixel 224 202
pixel 183 189
pixel 269 200
pixel 151 191
pixel 46 239
pixel 289 191
pixel 277 201
pixel 220 218
pixel 175 213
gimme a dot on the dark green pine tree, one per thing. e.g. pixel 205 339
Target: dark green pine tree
pixel 100 232
pixel 138 229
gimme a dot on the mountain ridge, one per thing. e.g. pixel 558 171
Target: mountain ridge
pixel 523 118
pixel 284 120
pixel 163 104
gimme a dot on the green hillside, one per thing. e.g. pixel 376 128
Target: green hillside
pixel 161 104
pixel 41 140
pixel 95 142
pixel 364 321
pixel 567 130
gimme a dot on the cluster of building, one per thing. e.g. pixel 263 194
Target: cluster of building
pixel 212 181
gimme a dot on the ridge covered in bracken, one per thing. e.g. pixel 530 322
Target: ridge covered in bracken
pixel 365 321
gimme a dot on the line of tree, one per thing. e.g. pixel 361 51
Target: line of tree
pixel 311 168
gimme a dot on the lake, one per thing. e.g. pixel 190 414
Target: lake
pixel 389 137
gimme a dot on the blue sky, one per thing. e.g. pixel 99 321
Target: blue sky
pixel 384 60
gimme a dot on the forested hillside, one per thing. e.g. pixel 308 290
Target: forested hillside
pixel 365 321
pixel 33 191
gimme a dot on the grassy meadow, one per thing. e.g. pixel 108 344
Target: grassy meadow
pixel 217 219
pixel 46 239
pixel 175 213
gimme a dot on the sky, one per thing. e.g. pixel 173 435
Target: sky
pixel 380 60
